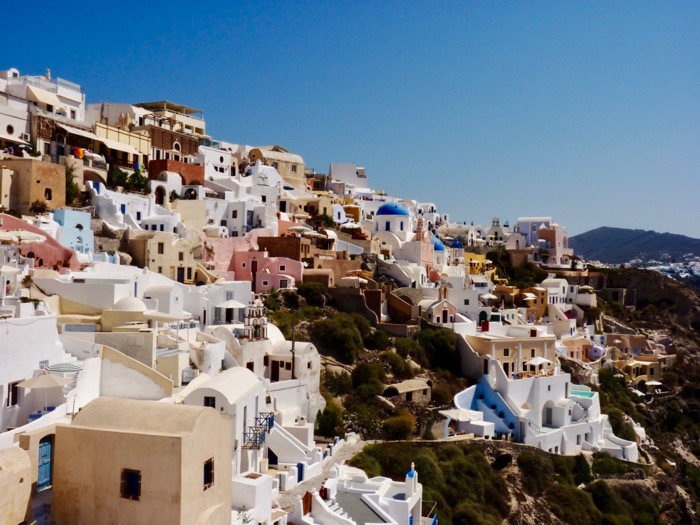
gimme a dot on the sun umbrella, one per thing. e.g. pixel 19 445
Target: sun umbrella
pixel 44 381
pixel 537 361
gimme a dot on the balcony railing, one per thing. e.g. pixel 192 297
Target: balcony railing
pixel 265 420
pixel 254 437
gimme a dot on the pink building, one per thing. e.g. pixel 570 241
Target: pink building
pixel 48 253
pixel 265 272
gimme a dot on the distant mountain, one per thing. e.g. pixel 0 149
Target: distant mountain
pixel 620 245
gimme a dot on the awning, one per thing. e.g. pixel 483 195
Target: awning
pixel 9 270
pixel 527 296
pixel 462 414
pixel 119 146
pixel 230 304
pixel 45 97
pixel 79 132
pixel 537 361
pixel 165 317
pixel 3 136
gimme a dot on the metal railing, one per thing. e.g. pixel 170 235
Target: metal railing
pixel 254 437
pixel 265 420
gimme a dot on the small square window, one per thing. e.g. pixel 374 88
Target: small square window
pixel 506 352
pixel 288 366
pixel 242 265
pixel 131 484
pixel 210 401
pixel 282 267
pixel 208 473
pixel 234 214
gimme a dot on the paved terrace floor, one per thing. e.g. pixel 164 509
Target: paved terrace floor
pixel 286 499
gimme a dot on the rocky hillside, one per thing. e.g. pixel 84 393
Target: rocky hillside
pixel 620 245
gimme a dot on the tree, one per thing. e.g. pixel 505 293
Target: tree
pixel 322 220
pixel 316 294
pixel 72 190
pixel 441 347
pixel 328 422
pixel 338 336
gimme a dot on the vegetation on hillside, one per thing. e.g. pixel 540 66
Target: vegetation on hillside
pixel 481 483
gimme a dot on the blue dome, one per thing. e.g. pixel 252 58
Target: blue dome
pixel 457 245
pixel 392 208
pixel 437 244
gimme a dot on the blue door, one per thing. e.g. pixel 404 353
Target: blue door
pixel 45 455
pixel 300 472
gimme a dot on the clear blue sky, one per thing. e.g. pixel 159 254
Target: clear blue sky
pixel 585 111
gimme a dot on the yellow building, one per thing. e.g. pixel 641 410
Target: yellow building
pixel 289 165
pixel 165 253
pixel 142 462
pixel 519 356
pixel 23 181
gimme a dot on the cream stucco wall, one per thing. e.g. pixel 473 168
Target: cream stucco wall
pixel 15 486
pixel 87 477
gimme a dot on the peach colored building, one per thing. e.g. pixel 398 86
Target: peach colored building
pixel 126 461
pixel 24 181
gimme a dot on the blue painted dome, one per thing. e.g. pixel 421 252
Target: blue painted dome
pixel 437 244
pixel 457 245
pixel 392 208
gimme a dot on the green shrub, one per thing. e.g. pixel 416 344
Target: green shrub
pixel 399 368
pixel 361 323
pixel 539 472
pixel 406 347
pixel 367 463
pixel 337 336
pixel 316 294
pixel 329 422
pixel 640 504
pixel 605 499
pixel 273 301
pixel 572 505
pixel 620 426
pixel 606 465
pixel 337 383
pixel 441 348
pixel 368 379
pixel 38 207
pixel 563 468
pixel 401 426
pixel 581 470
pixel 72 189
pixel 377 340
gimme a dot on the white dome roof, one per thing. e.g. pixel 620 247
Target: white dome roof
pixel 130 304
